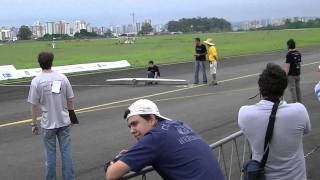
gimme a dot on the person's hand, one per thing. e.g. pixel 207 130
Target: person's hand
pixel 109 163
pixel 34 129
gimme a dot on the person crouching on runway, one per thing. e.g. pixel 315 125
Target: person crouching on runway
pixel 153 71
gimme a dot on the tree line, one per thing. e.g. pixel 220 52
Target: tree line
pixel 294 25
pixel 199 24
pixel 184 25
pixel 26 34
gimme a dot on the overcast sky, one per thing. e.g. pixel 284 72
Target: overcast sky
pixel 117 12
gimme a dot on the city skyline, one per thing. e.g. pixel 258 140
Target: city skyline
pixel 106 13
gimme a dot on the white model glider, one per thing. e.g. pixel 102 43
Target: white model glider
pixel 136 81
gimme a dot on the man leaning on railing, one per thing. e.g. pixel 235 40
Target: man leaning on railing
pixel 171 147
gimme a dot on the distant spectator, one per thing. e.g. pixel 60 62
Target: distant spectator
pixel 213 60
pixel 173 149
pixel 285 157
pixel 153 70
pixel 200 59
pixel 293 69
pixel 317 88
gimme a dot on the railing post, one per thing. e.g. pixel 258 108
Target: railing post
pixel 237 151
pixel 231 160
pixel 224 161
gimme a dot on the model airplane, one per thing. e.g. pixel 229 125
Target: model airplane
pixel 135 81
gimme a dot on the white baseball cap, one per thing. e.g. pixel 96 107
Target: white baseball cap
pixel 144 106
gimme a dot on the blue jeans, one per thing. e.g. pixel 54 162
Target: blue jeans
pixel 150 74
pixel 49 139
pixel 198 65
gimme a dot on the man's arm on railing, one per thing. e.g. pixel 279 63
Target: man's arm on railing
pixel 117 170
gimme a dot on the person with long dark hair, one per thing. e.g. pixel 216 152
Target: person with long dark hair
pixel 285 159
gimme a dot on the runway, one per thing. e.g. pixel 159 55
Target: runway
pixel 102 133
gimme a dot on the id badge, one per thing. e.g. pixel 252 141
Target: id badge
pixel 56 86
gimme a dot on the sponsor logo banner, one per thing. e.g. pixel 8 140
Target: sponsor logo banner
pixel 10 72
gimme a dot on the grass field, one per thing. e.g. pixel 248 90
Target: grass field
pixel 162 49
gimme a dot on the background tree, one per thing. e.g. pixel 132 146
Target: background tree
pixel 24 33
pixel 199 25
pixel 108 33
pixel 85 34
pixel 77 35
pixel 288 24
pixel 146 28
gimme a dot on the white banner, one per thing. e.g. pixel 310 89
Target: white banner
pixel 10 70
pixel 30 72
pixel 91 66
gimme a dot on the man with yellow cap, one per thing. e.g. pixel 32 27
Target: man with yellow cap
pixel 213 58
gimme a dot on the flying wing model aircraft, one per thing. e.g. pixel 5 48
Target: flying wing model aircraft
pixel 136 81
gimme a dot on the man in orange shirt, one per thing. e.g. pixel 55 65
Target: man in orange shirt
pixel 213 58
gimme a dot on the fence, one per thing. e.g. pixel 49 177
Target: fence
pixel 229 155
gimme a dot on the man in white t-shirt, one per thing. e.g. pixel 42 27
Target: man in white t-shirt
pixel 53 93
pixel 286 157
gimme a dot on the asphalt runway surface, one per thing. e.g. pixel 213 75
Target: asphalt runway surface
pixel 102 133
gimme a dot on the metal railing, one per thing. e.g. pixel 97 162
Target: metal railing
pixel 229 155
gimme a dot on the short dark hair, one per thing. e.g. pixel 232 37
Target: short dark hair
pixel 197 39
pixel 147 117
pixel 151 62
pixel 45 60
pixel 272 81
pixel 291 44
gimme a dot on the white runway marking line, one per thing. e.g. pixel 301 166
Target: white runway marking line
pixel 93 108
pixel 168 99
pixel 73 85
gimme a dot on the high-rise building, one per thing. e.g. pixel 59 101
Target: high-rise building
pixel 78 25
pixel 14 31
pixel 60 27
pixel 88 27
pixel 124 29
pixel 158 28
pixel 138 27
pixel 95 29
pixel 1 36
pixel 38 29
pixel 50 28
pixel 130 28
pixel 67 29
pixel 5 35
pixel 116 30
pixel 103 30
pixel 148 21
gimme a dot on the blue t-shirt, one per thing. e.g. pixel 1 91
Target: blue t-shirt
pixel 175 152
